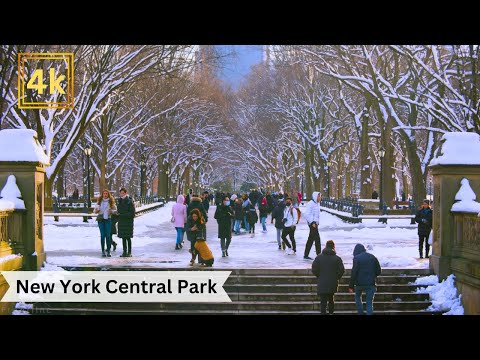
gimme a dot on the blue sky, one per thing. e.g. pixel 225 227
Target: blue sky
pixel 237 66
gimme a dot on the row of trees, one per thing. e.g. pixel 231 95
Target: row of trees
pixel 310 106
pixel 153 106
pixel 312 114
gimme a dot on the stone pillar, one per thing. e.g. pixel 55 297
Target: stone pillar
pixel 30 180
pixel 26 160
pixel 446 182
pixel 456 158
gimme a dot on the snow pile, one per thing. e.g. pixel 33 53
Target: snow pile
pixel 427 280
pixel 21 145
pixel 6 205
pixel 442 295
pixel 12 193
pixel 9 257
pixel 466 198
pixel 396 261
pixel 458 148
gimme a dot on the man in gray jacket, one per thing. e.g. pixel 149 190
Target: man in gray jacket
pixel 312 215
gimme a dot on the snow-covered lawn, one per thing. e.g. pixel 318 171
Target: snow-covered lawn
pixel 72 242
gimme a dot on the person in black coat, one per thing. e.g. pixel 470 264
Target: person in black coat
pixel 196 203
pixel 238 207
pixel 126 214
pixel 328 268
pixel 374 195
pixel 277 215
pixel 205 201
pixel 224 215
pixel 365 270
pixel 424 219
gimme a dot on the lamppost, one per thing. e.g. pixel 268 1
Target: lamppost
pixel 329 163
pixel 142 178
pixel 339 187
pixel 88 152
pixel 381 153
pixel 167 195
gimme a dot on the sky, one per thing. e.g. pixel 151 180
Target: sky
pixel 237 66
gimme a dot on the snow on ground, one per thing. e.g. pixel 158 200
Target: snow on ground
pixel 71 242
pixel 8 257
pixel 444 295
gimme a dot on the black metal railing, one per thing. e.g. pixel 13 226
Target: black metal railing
pixel 350 206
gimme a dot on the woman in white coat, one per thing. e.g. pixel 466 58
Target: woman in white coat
pixel 179 218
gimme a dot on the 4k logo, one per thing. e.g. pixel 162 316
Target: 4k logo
pixel 45 80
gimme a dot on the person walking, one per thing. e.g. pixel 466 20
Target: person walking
pixel 312 215
pixel 205 201
pixel 290 217
pixel 224 216
pixel 196 203
pixel 252 218
pixel 179 218
pixel 105 208
pixel 126 214
pixel 263 208
pixel 365 270
pixel 246 208
pixel 238 214
pixel 424 220
pixel 328 268
pixel 277 215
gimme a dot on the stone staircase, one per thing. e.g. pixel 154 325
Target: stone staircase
pixel 269 291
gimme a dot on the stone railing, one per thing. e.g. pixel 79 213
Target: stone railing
pixel 11 237
pixel 11 249
pixel 465 258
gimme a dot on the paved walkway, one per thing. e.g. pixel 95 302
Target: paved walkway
pixel 154 245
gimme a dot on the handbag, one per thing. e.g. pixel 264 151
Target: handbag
pixel 100 218
pixel 172 220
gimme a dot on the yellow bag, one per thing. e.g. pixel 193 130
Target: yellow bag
pixel 203 250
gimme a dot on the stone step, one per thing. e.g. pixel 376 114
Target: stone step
pixel 310 288
pixel 86 311
pixel 314 297
pixel 306 271
pixel 309 279
pixel 242 305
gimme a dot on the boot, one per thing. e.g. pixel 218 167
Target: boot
pixel 421 253
pixel 427 250
pixel 129 243
pixel 124 244
pixel 224 253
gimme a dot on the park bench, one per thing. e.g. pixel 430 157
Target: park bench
pixel 68 214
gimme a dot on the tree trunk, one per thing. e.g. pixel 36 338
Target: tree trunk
pixel 60 182
pixel 308 174
pixel 365 170
pixel 48 193
pixel 103 162
pixel 418 180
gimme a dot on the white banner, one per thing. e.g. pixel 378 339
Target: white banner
pixel 116 286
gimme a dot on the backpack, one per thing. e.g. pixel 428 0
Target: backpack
pixel 299 214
